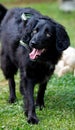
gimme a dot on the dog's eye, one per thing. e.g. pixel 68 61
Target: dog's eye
pixel 48 35
pixel 35 31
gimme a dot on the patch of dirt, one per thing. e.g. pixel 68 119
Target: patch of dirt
pixel 21 2
pixel 32 1
pixel 3 83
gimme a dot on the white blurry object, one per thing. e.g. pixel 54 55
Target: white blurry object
pixel 67 5
pixel 67 62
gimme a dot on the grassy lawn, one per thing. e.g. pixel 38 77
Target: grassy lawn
pixel 59 113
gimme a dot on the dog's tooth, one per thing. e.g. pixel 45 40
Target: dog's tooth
pixel 43 50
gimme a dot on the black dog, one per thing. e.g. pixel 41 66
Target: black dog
pixel 34 44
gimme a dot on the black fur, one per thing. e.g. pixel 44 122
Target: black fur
pixel 44 42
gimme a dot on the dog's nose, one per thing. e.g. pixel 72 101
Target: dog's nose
pixel 32 43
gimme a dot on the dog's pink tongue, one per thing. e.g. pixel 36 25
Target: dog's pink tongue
pixel 34 53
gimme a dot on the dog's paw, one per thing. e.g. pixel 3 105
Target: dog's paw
pixel 40 103
pixel 33 120
pixel 12 100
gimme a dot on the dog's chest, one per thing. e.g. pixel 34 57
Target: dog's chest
pixel 39 71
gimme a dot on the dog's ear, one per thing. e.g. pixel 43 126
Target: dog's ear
pixel 3 11
pixel 62 38
pixel 28 29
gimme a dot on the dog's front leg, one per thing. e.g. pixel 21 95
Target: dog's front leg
pixel 29 102
pixel 31 107
pixel 12 97
pixel 40 96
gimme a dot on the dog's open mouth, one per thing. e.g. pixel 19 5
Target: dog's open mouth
pixel 35 53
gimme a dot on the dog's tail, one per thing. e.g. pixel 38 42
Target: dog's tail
pixel 3 11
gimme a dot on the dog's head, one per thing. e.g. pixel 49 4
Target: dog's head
pixel 45 34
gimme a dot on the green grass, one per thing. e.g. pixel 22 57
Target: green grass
pixel 59 113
